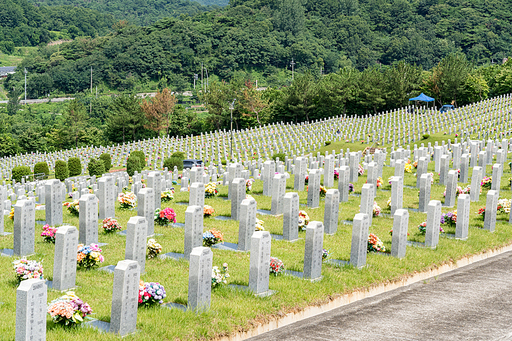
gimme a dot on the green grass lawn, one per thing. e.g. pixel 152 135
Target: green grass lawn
pixel 232 310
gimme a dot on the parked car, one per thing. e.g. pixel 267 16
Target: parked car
pixel 446 107
pixel 189 163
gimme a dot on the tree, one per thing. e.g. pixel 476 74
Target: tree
pixel 75 119
pixel 252 100
pixel 403 79
pixel 289 16
pixel 159 110
pixel 125 116
pixel 14 101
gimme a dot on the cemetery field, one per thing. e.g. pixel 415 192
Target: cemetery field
pixel 235 310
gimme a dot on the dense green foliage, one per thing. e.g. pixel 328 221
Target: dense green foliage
pixel 74 166
pixel 42 167
pixel 179 155
pixel 107 161
pixel 96 167
pixel 133 164
pixel 20 171
pixel 173 161
pixel 23 24
pixel 61 170
pixel 137 12
pixel 281 156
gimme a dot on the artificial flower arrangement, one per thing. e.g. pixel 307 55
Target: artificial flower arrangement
pixel 388 203
pixel 208 211
pixel 248 185
pixel 89 256
pixel 73 207
pixel 151 293
pixel 259 225
pixel 167 196
pixel 26 269
pixel 408 168
pixel 375 244
pixel 306 180
pixel 336 175
pixel 449 218
pixel 11 214
pixel 303 220
pixel 220 276
pixel 153 247
pixel 68 310
pixel 48 233
pixel 210 190
pixel 350 187
pixel 379 182
pixel 165 217
pixel 377 211
pixel 503 206
pixel 212 237
pixel 461 190
pixel 111 225
pixel 323 191
pixel 276 266
pixel 360 170
pixel 325 254
pixel 486 182
pixel 127 200
pixel 423 228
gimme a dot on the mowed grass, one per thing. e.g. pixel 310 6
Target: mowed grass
pixel 233 310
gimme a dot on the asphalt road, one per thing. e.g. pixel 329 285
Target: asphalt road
pixel 470 303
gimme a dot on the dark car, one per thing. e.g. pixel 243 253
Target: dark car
pixel 192 163
pixel 446 107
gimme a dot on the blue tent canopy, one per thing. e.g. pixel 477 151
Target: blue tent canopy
pixel 422 97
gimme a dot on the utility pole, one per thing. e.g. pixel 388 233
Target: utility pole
pixel 25 86
pixel 90 103
pixel 293 65
pixel 196 76
pixel 91 80
pixel 202 76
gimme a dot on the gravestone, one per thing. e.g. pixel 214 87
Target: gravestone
pixel 300 174
pixel 106 197
pixel 353 163
pixel 64 263
pixel 425 183
pixel 464 168
pixel 359 245
pixel 462 225
pixel 146 208
pixel 313 250
pixel 125 295
pixel 200 279
pixel 372 176
pixel 155 182
pixel 259 262
pixel 291 216
pixel 433 223
pixel 247 224
pixel 278 192
pixel 268 172
pixel 329 171
pixel 399 237
pixel 136 234
pixel 397 192
pixel 491 206
pixel 238 193
pixel 399 168
pixel 476 179
pixel 53 204
pixel 443 175
pixel 496 177
pixel 24 228
pixel 88 219
pixel 31 305
pixel 422 169
pixel 343 183
pixel 367 199
pixel 193 229
pixel 451 189
pixel 313 200
pixel 332 208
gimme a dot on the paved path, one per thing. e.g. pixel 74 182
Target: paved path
pixel 471 303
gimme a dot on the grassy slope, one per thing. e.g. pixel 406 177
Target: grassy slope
pixel 234 310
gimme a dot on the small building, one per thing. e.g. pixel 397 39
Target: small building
pixel 6 70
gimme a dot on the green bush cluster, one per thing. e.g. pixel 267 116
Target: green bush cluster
pixel 96 167
pixel 74 166
pixel 173 161
pixel 42 167
pixel 107 161
pixel 20 171
pixel 281 156
pixel 61 170
pixel 133 164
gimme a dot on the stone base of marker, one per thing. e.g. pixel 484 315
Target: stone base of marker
pixel 300 275
pixel 281 237
pixel 418 244
pixel 49 285
pixel 109 268
pixel 172 255
pixel 339 262
pixel 172 305
pixel 227 246
pixel 246 288
pixel 7 252
pixel 5 233
pixel 101 326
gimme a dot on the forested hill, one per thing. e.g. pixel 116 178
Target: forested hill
pixel 262 36
pixel 23 24
pixel 139 12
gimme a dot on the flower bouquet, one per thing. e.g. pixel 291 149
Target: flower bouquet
pixel 377 211
pixel 73 207
pixel 303 220
pixel 423 228
pixel 388 203
pixel 350 187
pixel 375 244
pixel 68 310
pixel 325 254
pixel 165 217
pixel 153 248
pixel 208 211
pixel 415 164
pixel 26 269
pixel 220 276
pixel 276 266
pixel 151 293
pixel 89 256
pixel 449 218
pixel 323 191
pixel 336 175
pixel 48 233
pixel 248 185
pixel 486 182
pixel 259 225
pixel 210 190
pixel 11 214
pixel 212 237
pixel 503 206
pixel 167 196
pixel 379 182
pixel 408 168
pixel 360 170
pixel 127 200
pixel 481 212
pixel 306 180
pixel 111 225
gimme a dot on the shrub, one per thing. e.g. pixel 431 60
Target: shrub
pixel 42 167
pixel 179 155
pixel 326 143
pixel 426 136
pixel 96 167
pixel 133 164
pixel 223 161
pixel 20 171
pixel 61 170
pixel 140 155
pixel 74 166
pixel 173 161
pixel 107 161
pixel 281 156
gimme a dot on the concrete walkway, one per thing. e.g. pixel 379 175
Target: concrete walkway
pixel 470 303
